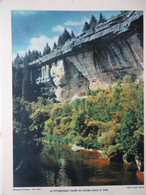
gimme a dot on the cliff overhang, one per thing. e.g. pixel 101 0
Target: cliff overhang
pixel 96 37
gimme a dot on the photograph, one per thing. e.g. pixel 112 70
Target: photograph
pixel 77 98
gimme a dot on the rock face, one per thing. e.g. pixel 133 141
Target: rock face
pixel 68 80
pixel 95 58
pixel 111 61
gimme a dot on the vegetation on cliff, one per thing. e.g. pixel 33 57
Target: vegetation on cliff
pixel 109 119
pixel 62 39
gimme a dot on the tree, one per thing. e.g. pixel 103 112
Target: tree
pixel 139 112
pixel 79 123
pixel 54 46
pixel 64 37
pixel 29 56
pixel 93 22
pixel 25 60
pixel 86 26
pixel 18 60
pixel 47 49
pixel 101 18
pixel 26 91
pixel 72 34
pixel 17 82
pixel 127 138
pixel 35 55
pixel 38 121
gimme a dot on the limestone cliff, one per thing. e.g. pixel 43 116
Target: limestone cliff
pixel 95 58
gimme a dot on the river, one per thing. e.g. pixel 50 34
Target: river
pixel 58 165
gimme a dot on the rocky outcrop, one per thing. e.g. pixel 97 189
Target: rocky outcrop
pixel 95 58
pixel 68 80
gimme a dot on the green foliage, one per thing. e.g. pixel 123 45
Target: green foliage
pixel 38 118
pixel 66 109
pixel 111 119
pixel 79 123
pixel 94 92
pixel 80 141
pixel 113 149
pixel 139 114
pixel 115 99
pixel 93 144
pixel 131 140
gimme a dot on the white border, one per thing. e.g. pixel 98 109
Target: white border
pixel 6 82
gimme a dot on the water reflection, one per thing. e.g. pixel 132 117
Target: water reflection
pixel 58 165
pixel 63 167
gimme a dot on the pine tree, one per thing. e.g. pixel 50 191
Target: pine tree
pixel 60 40
pixel 93 22
pixel 40 55
pixel 17 82
pixel 29 56
pixel 25 60
pixel 47 49
pixel 18 60
pixel 54 46
pixel 26 86
pixel 35 55
pixel 72 34
pixel 101 18
pixel 86 27
pixel 65 36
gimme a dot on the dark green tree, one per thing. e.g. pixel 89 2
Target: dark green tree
pixel 101 18
pixel 54 46
pixel 93 22
pixel 38 119
pixel 47 49
pixel 18 60
pixel 35 55
pixel 25 60
pixel 72 34
pixel 86 26
pixel 29 56
pixel 17 82
pixel 65 36
pixel 139 113
pixel 127 139
pixel 26 88
pixel 79 123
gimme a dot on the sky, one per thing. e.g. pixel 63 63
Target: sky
pixel 31 30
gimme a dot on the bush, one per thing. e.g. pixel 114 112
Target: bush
pixel 94 92
pixel 93 144
pixel 79 141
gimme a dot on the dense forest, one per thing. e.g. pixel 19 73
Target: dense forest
pixel 110 120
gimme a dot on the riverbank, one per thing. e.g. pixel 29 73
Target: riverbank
pixel 99 157
pixel 99 153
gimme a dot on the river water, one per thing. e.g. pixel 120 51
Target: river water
pixel 58 165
